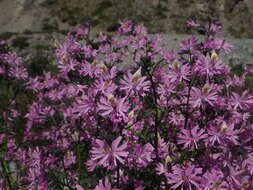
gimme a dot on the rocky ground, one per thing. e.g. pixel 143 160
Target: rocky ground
pixel 164 16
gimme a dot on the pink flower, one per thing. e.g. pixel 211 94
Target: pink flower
pixel 104 185
pixel 186 177
pixel 223 133
pixel 214 180
pixel 113 106
pixel 189 44
pixel 248 163
pixel 69 159
pixel 142 156
pixel 191 137
pixel 66 66
pixel 244 101
pixel 178 72
pixel 79 187
pixel 203 96
pixel 191 23
pixel 135 83
pixel 109 156
pixel 209 66
pixel 161 169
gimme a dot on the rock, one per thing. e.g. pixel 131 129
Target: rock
pixel 158 15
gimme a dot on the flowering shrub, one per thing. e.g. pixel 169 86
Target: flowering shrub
pixel 124 112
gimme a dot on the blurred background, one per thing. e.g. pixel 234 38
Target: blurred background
pixel 31 25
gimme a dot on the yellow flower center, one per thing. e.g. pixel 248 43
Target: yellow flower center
pixel 214 56
pixel 176 65
pixel 206 89
pixel 112 100
pixel 224 128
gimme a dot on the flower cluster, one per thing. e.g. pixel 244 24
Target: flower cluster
pixel 124 112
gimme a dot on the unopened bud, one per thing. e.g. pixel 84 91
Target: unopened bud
pixel 214 56
pixel 206 89
pixel 137 75
pixel 168 159
pixel 112 100
pixel 108 83
pixel 95 62
pixel 131 114
pixel 103 67
pixel 224 127
pixel 176 65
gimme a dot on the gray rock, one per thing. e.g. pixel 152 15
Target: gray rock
pixel 158 15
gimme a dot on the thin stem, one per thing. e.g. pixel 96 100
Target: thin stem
pixel 118 175
pixel 156 113
pixel 6 174
pixel 66 174
pixel 157 122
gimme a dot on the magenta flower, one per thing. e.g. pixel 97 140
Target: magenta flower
pixel 109 156
pixel 178 72
pixel 218 45
pixel 79 187
pixel 161 169
pixel 200 97
pixel 189 44
pixel 190 138
pixel 135 83
pixel 186 177
pixel 209 66
pixel 142 156
pixel 214 180
pixel 248 163
pixel 191 23
pixel 69 159
pixel 244 101
pixel 113 106
pixel 104 185
pixel 223 133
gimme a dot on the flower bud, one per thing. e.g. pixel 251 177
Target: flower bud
pixel 224 127
pixel 103 67
pixel 176 65
pixel 137 75
pixel 131 114
pixel 111 100
pixel 206 89
pixel 168 159
pixel 214 56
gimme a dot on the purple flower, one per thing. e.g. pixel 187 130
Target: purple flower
pixel 79 187
pixel 141 156
pixel 69 159
pixel 243 101
pixel 223 133
pixel 200 97
pixel 104 185
pixel 214 180
pixel 190 138
pixel 178 72
pixel 185 177
pixel 209 66
pixel 189 45
pixel 248 163
pixel 109 156
pixel 191 23
pixel 135 83
pixel 113 106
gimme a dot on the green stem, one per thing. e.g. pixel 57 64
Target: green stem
pixel 6 175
